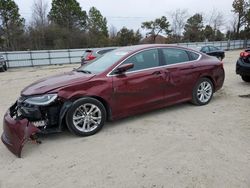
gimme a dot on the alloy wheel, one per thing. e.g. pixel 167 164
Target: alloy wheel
pixel 87 117
pixel 204 92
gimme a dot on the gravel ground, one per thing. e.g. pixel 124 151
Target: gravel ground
pixel 178 146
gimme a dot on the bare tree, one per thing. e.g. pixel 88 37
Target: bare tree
pixel 39 24
pixel 179 18
pixel 216 20
pixel 39 14
pixel 112 32
pixel 233 23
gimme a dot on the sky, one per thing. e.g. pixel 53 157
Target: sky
pixel 131 13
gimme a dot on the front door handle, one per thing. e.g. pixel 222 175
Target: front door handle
pixel 157 73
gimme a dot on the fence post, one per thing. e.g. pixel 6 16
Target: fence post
pixel 31 58
pixel 69 56
pixel 49 57
pixel 7 59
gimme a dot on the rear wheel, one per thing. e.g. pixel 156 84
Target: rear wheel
pixel 202 92
pixel 86 117
pixel 245 78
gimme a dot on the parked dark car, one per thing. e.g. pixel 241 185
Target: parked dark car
pixel 124 82
pixel 3 64
pixel 213 51
pixel 243 65
pixel 92 54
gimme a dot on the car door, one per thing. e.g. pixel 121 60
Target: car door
pixel 140 88
pixel 205 49
pixel 180 69
pixel 213 51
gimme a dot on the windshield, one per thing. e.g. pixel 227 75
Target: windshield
pixel 103 63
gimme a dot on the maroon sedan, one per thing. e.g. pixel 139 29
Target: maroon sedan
pixel 124 82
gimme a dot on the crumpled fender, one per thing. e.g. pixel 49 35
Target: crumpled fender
pixel 16 133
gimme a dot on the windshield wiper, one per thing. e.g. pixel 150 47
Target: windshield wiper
pixel 83 71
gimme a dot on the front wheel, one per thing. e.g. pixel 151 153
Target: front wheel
pixel 245 78
pixel 202 92
pixel 5 67
pixel 220 58
pixel 86 117
pixel 2 69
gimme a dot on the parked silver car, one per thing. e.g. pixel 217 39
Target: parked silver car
pixel 91 54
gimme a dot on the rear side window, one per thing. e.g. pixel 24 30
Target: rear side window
pixel 193 56
pixel 174 56
pixel 144 60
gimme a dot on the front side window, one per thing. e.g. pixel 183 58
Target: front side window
pixel 174 56
pixel 144 60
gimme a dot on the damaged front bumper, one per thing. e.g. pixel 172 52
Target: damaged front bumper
pixel 23 121
pixel 16 132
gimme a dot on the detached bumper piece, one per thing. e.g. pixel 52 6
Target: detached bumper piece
pixel 16 133
pixel 23 121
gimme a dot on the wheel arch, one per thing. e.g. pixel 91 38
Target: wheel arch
pixel 105 104
pixel 210 78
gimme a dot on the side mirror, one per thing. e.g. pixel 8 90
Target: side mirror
pixel 123 68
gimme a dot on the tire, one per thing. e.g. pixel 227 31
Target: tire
pixel 245 78
pixel 202 92
pixel 2 69
pixel 5 66
pixel 220 58
pixel 86 117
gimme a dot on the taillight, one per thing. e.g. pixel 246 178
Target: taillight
pixel 244 54
pixel 90 57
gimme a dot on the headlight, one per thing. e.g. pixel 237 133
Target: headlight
pixel 42 100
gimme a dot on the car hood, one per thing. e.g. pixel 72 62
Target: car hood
pixel 54 82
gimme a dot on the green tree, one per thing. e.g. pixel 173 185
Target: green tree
pixel 240 8
pixel 127 37
pixel 247 29
pixel 219 36
pixel 159 25
pixel 68 14
pixel 11 25
pixel 97 24
pixel 97 29
pixel 193 28
pixel 209 33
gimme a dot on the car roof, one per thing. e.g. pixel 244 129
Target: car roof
pixel 99 49
pixel 146 46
